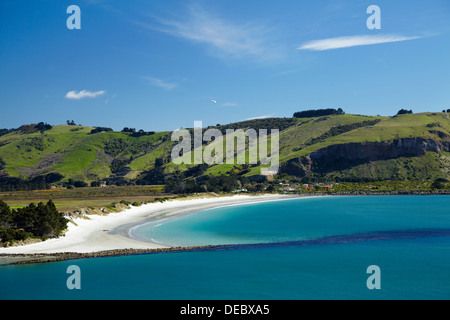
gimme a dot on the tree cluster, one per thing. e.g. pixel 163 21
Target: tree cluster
pixel 221 183
pixel 404 111
pixel 119 163
pixel 42 221
pixel 139 133
pixel 439 183
pixel 37 183
pixel 6 131
pixel 257 124
pixel 154 176
pixel 318 113
pixel 75 183
pixel 31 128
pixel 41 126
pixel 100 129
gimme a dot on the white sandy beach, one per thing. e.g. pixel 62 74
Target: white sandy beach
pixel 101 233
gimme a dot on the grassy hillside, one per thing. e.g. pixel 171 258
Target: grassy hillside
pixel 79 155
pixel 389 128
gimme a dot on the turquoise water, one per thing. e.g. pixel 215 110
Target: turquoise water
pixel 316 248
pixel 301 219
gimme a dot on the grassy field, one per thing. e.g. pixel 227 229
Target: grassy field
pixel 97 198
pixel 71 199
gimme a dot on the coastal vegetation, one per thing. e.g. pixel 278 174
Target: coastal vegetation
pixel 41 221
pixel 21 219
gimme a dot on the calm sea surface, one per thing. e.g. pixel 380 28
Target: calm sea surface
pixel 312 248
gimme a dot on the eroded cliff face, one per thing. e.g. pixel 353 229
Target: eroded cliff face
pixel 343 156
pixel 299 167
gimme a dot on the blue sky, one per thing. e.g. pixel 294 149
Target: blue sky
pixel 157 65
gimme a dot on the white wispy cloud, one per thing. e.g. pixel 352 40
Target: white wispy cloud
pixel 74 95
pixel 226 38
pixel 261 117
pixel 353 41
pixel 161 83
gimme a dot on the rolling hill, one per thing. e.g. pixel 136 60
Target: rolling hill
pixel 341 147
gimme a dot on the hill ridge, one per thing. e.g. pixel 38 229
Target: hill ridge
pixel 78 154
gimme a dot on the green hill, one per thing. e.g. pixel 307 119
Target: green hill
pixel 340 147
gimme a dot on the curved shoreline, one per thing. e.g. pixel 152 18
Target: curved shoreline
pixel 110 235
pixel 112 232
pixel 127 229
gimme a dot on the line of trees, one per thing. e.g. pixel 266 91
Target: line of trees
pixel 41 126
pixel 37 183
pixel 206 184
pixel 139 133
pixel 318 113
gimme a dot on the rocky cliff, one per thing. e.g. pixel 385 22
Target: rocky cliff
pixel 344 156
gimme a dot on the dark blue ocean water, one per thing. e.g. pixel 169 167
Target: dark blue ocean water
pixel 316 248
